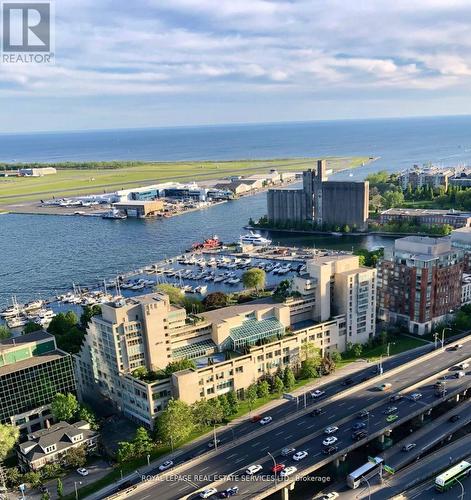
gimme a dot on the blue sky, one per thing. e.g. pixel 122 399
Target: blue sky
pixel 144 63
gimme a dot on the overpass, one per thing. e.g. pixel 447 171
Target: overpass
pixel 302 431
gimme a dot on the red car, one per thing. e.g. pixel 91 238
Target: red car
pixel 278 468
pixel 256 418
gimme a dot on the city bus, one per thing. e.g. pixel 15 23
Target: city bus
pixel 365 471
pixel 449 478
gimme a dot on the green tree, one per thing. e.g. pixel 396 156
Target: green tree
pixel 182 364
pixel 60 488
pixel 254 278
pixel 175 295
pixel 13 477
pixel 51 470
pixel 31 326
pixel 76 457
pixel 33 478
pixel 288 378
pixel 233 402
pixel 251 395
pixel 88 313
pixel 357 350
pixel 86 413
pixel 335 356
pixel 282 291
pixel 215 300
pixel 45 496
pixel 9 435
pixel 125 452
pixel 278 385
pixel 263 389
pixel 64 407
pixel 142 442
pixel 393 199
pixel 201 412
pixel 175 423
pixel 141 372
pixel 4 332
pixel 216 411
pixel 62 323
pixel 308 369
pixel 226 407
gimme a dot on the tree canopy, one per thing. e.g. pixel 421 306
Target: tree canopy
pixel 254 278
pixel 64 407
pixel 9 435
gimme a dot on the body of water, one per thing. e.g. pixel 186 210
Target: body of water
pixel 45 254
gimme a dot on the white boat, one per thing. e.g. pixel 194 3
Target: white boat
pixel 12 310
pixel 233 281
pixel 35 304
pixel 255 239
pixel 16 322
pixel 217 279
pixel 202 289
pixel 114 213
pixel 138 286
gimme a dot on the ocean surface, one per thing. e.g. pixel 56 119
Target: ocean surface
pixel 45 254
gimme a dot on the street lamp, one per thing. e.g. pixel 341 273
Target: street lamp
pixel 274 465
pixel 75 488
pixel 148 459
pixel 442 340
pixel 387 350
pixel 214 436
pixel 462 489
pixel 369 487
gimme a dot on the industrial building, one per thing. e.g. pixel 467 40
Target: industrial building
pixel 140 209
pixel 419 282
pixel 453 218
pixel 232 347
pixel 320 202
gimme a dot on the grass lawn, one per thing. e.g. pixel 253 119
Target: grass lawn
pixel 70 181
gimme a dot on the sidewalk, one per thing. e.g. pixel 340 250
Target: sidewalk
pixel 345 371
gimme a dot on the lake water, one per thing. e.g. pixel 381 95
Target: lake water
pixel 45 254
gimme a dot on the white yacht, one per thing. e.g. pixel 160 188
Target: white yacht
pixel 255 239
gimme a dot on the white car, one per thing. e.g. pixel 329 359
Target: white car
pixel 82 471
pixel 415 396
pixel 265 420
pixel 330 440
pixel 300 455
pixel 317 393
pixel 288 471
pixel 331 496
pixel 331 429
pixel 253 469
pixel 208 492
pixel 166 465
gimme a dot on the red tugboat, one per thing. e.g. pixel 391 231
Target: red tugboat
pixel 208 244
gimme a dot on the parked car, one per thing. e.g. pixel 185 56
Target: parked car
pixel 253 469
pixel 166 465
pixel 330 440
pixel 331 429
pixel 299 455
pixel 265 420
pixel 82 471
pixel 409 447
pixel 230 492
pixel 209 492
pixel 317 394
pixel 285 452
pixel 288 471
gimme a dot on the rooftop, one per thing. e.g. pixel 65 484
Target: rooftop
pixel 7 344
pixel 225 313
pixel 415 212
pixel 31 362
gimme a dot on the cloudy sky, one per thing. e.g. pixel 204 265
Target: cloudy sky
pixel 140 63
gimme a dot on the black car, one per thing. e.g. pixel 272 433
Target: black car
pixel 230 492
pixel 347 381
pixel 356 436
pixel 363 414
pixel 396 397
pixel 316 412
pixel 328 450
pixel 454 418
pixel 358 425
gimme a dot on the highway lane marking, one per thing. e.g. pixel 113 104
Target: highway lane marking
pixel 266 448
pixel 255 444
pixel 372 397
pixel 289 437
pixel 301 423
pixel 231 456
pixel 351 407
pixel 341 404
pixel 311 426
pixel 147 496
pixel 279 433
pixel 181 489
pixel 240 459
pixel 316 454
pixel 205 468
pixel 333 415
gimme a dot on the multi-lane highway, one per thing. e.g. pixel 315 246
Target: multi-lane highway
pixel 303 432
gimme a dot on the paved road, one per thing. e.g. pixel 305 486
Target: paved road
pixel 310 430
